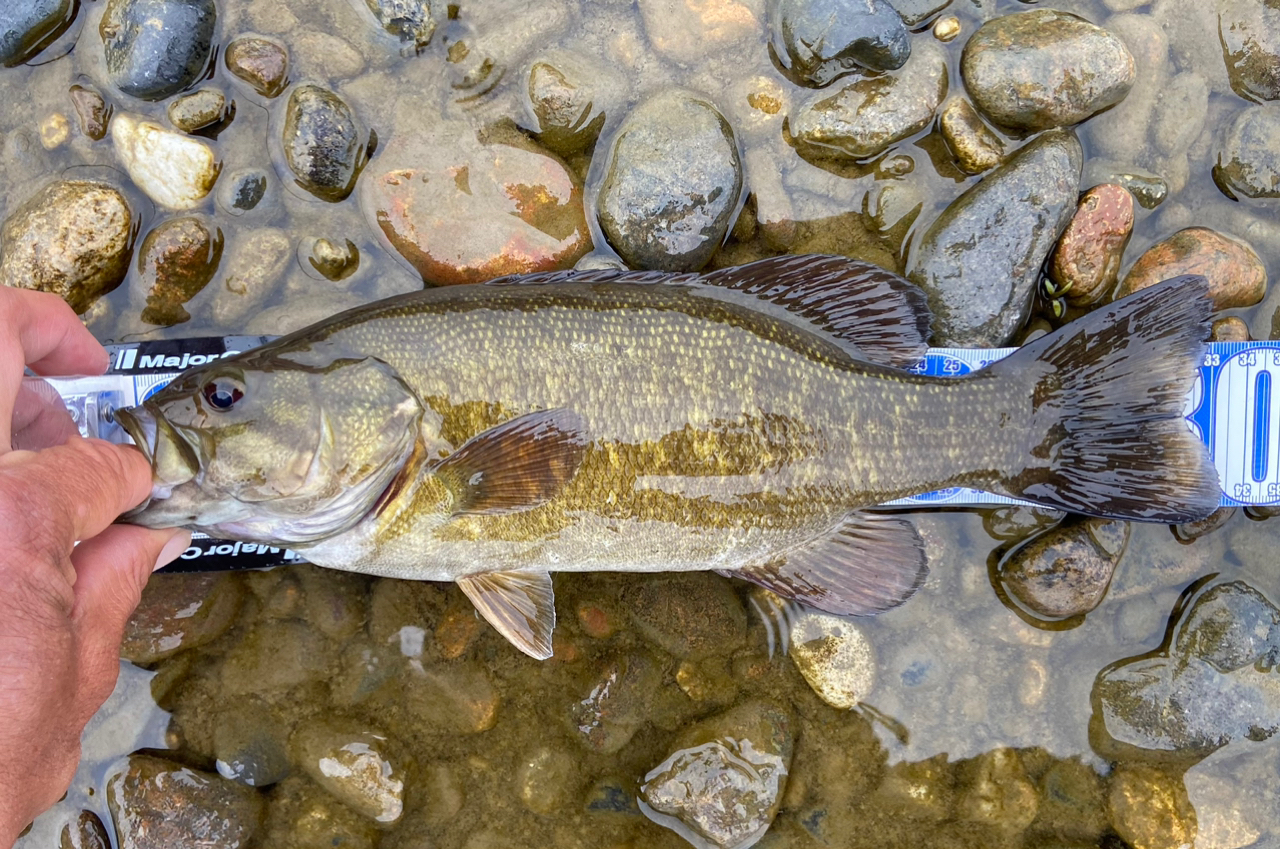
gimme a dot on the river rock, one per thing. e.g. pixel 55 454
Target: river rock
pixel 834 656
pixel 179 612
pixel 173 169
pixel 1150 809
pixel 86 831
pixel 450 699
pixel 547 780
pixel 411 21
pixel 686 31
pixel 1237 277
pixel 157 804
pixel 1065 571
pixel 672 183
pixel 616 704
pixel 250 743
pixel 72 238
pixel 200 110
pixel 687 614
pixel 980 261
pixel 725 778
pixel 177 259
pixel 972 143
pixel 332 260
pixel 252 269
pixel 1249 31
pixel 355 765
pixel 156 48
pixel 28 26
pixel 304 816
pixel 1248 162
pixel 865 117
pixel 1044 68
pixel 261 62
pixel 324 144
pixel 93 112
pixel 818 41
pixel 242 191
pixel 275 656
pixel 1086 260
pixel 995 790
pixel 568 96
pixel 494 210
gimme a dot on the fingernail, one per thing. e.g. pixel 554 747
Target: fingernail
pixel 176 545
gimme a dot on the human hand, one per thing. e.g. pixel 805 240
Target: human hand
pixel 63 607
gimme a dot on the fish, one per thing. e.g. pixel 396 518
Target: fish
pixel 747 420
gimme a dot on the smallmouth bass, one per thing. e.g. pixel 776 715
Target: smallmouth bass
pixel 743 421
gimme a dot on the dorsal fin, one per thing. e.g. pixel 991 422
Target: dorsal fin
pixel 874 314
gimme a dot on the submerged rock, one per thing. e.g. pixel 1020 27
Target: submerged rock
pixel 973 144
pixel 491 211
pixel 353 764
pixel 1150 809
pixel 411 21
pixel 261 62
pixel 200 110
pixel 251 743
pixel 28 26
pixel 177 260
pixel 1248 162
pixel 1065 571
pixel 818 41
pixel 92 111
pixel 86 831
pixel 334 261
pixel 1045 68
pixel 686 31
pixel 1236 275
pixel 834 656
pixel 1086 261
pixel 242 191
pixel 568 96
pixel 72 238
pixel 179 612
pixel 1249 32
pixel 980 261
pixel 861 119
pixel 617 703
pixel 157 48
pixel 672 183
pixel 304 816
pixel 687 614
pixel 157 804
pixel 725 779
pixel 173 169
pixel 324 144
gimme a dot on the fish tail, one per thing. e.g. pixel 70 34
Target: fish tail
pixel 1107 434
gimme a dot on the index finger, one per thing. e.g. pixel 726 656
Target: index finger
pixel 77 489
pixel 53 339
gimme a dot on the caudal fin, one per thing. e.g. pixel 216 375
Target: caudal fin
pixel 1109 437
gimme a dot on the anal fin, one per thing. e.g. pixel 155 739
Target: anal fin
pixel 871 563
pixel 520 605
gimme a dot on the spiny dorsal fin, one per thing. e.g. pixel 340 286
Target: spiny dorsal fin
pixel 521 606
pixel 517 465
pixel 871 563
pixel 875 314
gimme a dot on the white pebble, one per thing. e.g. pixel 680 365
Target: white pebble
pixel 834 656
pixel 174 170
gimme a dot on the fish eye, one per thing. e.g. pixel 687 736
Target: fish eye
pixel 222 393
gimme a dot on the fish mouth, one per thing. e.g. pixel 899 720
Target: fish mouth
pixel 172 458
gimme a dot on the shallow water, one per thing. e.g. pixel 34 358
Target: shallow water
pixel 977 729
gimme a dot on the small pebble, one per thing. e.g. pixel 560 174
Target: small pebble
pixel 54 130
pixel 94 112
pixel 261 62
pixel 334 261
pixel 200 110
pixel 946 28
pixel 834 656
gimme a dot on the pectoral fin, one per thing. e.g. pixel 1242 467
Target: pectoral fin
pixel 517 465
pixel 871 563
pixel 520 605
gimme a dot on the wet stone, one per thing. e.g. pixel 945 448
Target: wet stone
pixel 994 789
pixel 616 704
pixel 687 614
pixel 1236 275
pixel 200 110
pixel 1044 68
pixel 156 804
pixel 818 41
pixel 180 612
pixel 355 765
pixel 980 261
pixel 920 790
pixel 568 96
pixel 251 743
pixel 275 655
pixel 1015 523
pixel 947 29
pixel 303 816
pixel 72 238
pixel 685 31
pixel 157 48
pixel 173 169
pixel 92 111
pixel 450 699
pixel 1085 264
pixel 28 26
pixel 324 144
pixel 834 656
pixel 672 183
pixel 1192 531
pixel 242 191
pixel 413 22
pixel 547 780
pixel 499 210
pixel 1147 189
pixel 1150 809
pixel 176 261
pixel 863 118
pixel 725 778
pixel 1248 163
pixel 261 62
pixel 86 831
pixel 1249 31
pixel 975 147
pixel 334 261
pixel 1072 802
pixel 1065 571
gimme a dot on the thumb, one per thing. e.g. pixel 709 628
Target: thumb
pixel 111 570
